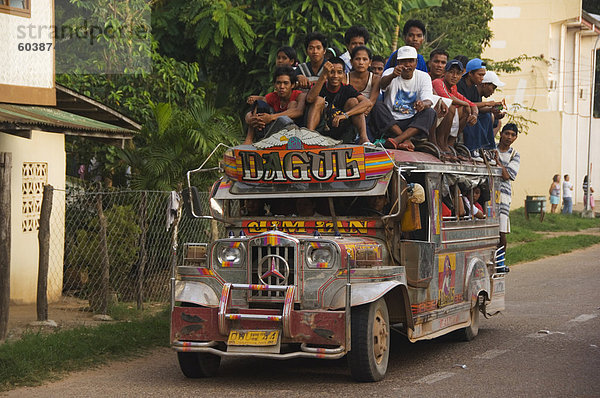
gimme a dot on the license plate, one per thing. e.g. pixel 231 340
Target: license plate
pixel 253 337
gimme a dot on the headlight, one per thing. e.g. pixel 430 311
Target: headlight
pixel 230 254
pixel 320 255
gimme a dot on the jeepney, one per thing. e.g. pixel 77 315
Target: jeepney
pixel 283 285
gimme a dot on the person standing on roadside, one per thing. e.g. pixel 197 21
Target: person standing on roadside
pixel 509 160
pixel 567 188
pixel 554 192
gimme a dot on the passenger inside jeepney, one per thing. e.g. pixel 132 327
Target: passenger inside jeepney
pixel 475 209
pixel 305 207
pixel 254 207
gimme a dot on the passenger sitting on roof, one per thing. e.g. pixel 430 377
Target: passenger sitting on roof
pixel 355 36
pixel 413 33
pixel 309 72
pixel 336 106
pixel 406 109
pixel 286 56
pixel 276 110
pixel 464 111
pixel 364 81
pixel 377 64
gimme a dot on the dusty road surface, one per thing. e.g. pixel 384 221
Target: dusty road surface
pixel 547 343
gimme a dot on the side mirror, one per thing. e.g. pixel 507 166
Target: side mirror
pixel 191 202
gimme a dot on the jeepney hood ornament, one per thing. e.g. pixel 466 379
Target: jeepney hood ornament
pixel 295 136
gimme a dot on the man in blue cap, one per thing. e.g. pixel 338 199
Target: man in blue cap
pixel 481 135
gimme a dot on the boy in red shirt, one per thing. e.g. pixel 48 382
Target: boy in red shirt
pixel 277 109
pixel 465 111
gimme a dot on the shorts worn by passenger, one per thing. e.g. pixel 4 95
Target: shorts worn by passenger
pixel 382 121
pixel 504 223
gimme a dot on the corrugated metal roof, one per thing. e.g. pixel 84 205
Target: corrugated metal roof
pixel 23 116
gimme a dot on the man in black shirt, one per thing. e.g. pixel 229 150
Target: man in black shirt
pixel 337 105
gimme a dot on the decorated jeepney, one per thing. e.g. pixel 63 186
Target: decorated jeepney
pixel 328 247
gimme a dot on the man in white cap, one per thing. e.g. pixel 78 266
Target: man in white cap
pixel 486 89
pixel 405 111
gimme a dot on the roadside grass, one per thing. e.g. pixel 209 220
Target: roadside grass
pixel 530 251
pixel 38 356
pixel 528 241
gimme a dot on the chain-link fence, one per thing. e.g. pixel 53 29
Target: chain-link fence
pixel 118 245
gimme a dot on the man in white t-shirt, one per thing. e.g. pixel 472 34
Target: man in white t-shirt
pixel 405 111
pixel 567 189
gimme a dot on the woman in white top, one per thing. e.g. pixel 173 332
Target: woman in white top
pixel 360 78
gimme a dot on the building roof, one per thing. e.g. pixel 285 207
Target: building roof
pixel 73 102
pixel 22 118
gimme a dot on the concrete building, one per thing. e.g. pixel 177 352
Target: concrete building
pixel 33 125
pixel 559 87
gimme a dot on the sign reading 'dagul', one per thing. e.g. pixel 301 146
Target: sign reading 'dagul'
pixel 290 166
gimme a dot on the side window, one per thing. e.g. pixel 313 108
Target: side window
pixel 16 7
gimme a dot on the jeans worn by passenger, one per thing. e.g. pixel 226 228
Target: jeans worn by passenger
pixel 481 135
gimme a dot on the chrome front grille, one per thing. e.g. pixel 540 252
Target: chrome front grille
pixel 274 266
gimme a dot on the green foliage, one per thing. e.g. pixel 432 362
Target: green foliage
pixel 512 65
pixel 38 357
pixel 122 240
pixel 514 114
pixel 175 141
pixel 458 26
pixel 103 36
pixel 218 23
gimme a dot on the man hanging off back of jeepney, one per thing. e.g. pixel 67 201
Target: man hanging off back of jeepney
pixel 508 159
pixel 336 107
pixel 276 110
pixel 405 111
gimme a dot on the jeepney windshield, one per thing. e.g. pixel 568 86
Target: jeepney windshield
pixel 307 207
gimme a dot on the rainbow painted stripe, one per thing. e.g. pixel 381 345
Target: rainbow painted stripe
pixel 377 163
pixel 315 245
pixel 322 265
pixel 205 271
pixel 271 240
pixel 235 245
pixel 227 264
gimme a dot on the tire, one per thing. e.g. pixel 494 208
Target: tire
pixel 370 350
pixel 195 365
pixel 471 331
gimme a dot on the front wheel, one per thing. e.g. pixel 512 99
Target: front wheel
pixel 370 350
pixel 195 365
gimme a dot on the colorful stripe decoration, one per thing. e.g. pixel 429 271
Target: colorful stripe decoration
pixel 323 265
pixel 227 264
pixel 235 244
pixel 315 245
pixel 205 271
pixel 377 164
pixel 271 240
pixel 230 166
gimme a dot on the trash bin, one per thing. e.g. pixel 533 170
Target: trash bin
pixel 535 204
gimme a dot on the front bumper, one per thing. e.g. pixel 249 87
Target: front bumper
pixel 320 333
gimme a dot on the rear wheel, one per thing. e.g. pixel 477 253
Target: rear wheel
pixel 196 364
pixel 368 358
pixel 471 331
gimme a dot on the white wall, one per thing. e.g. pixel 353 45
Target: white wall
pixel 42 147
pixel 27 68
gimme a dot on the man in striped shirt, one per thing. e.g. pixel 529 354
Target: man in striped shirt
pixel 509 160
